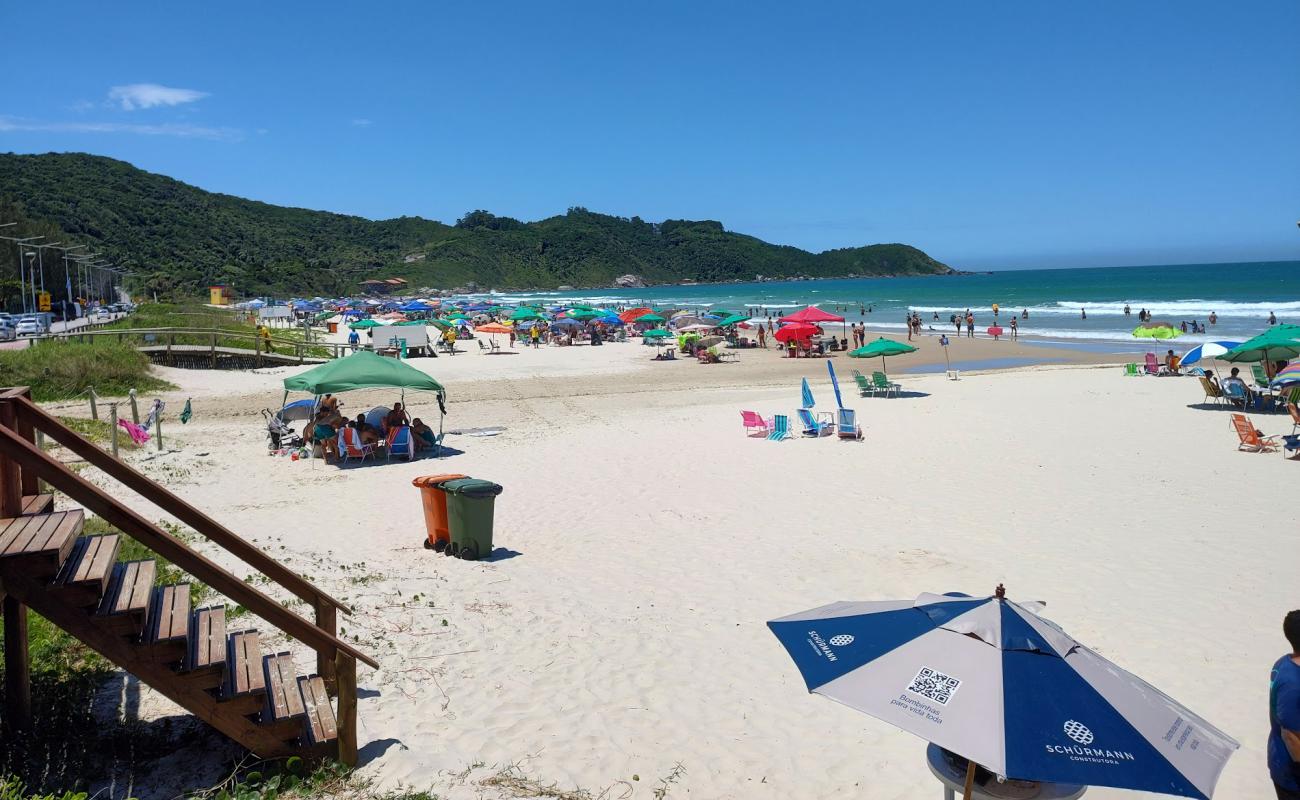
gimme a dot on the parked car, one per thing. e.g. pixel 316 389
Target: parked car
pixel 30 326
pixel 7 332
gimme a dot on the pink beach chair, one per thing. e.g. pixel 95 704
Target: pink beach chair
pixel 755 425
pixel 1152 365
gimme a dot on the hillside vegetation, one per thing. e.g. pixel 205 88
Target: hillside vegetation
pixel 182 238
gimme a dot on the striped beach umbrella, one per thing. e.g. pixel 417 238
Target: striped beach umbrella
pixel 1207 350
pixel 1287 376
pixel 992 681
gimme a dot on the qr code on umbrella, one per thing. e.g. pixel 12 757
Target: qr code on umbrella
pixel 934 685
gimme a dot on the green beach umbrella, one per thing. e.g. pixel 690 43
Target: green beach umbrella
pixel 412 322
pixel 722 312
pixel 364 324
pixel 439 323
pixel 882 347
pixel 1280 342
pixel 524 313
pixel 457 315
pixel 657 333
pixel 734 319
pixel 1157 330
pixel 655 318
pixel 583 314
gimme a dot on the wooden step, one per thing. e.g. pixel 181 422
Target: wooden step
pixel 126 603
pixel 87 571
pixel 169 623
pixel 321 727
pixel 283 698
pixel 38 504
pixel 207 654
pixel 39 544
pixel 244 665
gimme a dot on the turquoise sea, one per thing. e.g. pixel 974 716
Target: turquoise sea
pixel 1241 294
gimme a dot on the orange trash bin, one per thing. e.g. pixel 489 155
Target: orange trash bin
pixel 434 499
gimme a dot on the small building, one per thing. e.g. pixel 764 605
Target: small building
pixel 220 295
pixel 383 286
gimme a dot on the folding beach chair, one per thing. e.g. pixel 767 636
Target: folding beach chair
pixel 755 425
pixel 1261 377
pixel 780 428
pixel 815 427
pixel 1212 392
pixel 865 389
pixel 847 425
pixel 401 443
pixel 482 348
pixel 883 384
pixel 1152 366
pixel 350 445
pixel 1294 411
pixel 1252 440
pixel 1130 370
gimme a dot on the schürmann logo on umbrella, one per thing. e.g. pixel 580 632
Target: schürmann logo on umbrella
pixel 823 646
pixel 1080 751
pixel 1078 732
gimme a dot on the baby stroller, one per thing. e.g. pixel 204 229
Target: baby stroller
pixel 278 432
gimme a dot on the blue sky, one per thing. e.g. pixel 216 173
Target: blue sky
pixel 990 134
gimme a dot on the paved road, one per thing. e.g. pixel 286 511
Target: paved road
pixel 57 327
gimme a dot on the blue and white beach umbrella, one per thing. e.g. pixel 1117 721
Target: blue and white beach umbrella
pixel 1206 350
pixel 990 680
pixel 806 395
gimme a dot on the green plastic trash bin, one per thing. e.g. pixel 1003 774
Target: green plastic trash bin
pixel 470 503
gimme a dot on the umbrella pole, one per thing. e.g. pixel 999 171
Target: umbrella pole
pixel 970 780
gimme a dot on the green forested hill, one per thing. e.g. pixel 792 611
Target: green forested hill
pixel 182 238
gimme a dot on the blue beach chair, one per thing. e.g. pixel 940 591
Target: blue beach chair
pixel 780 428
pixel 847 425
pixel 813 426
pixel 400 443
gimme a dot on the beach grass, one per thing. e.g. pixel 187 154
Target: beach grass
pixel 65 370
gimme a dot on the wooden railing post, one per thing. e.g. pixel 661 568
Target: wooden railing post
pixel 135 408
pixel 18 677
pixel 94 408
pixel 11 481
pixel 326 620
pixel 112 424
pixel 31 483
pixel 346 716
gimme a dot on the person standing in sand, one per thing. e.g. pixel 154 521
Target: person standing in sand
pixel 762 337
pixel 1284 715
pixel 1015 330
pixel 970 325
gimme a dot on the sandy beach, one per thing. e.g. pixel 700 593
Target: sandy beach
pixel 617 644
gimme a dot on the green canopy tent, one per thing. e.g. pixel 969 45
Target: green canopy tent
pixel 364 324
pixel 882 347
pixel 366 370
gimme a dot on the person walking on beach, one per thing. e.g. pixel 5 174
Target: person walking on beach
pixel 535 336
pixel 956 321
pixel 970 325
pixel 1015 331
pixel 762 337
pixel 908 322
pixel 1284 715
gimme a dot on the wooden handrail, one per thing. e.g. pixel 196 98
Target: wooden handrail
pixel 53 472
pixel 234 334
pixel 32 414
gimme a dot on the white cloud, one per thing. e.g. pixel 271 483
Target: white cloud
pixel 147 95
pixel 362 123
pixel 182 130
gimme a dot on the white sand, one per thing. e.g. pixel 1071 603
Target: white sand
pixel 654 541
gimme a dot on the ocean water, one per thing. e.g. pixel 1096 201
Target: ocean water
pixel 1241 294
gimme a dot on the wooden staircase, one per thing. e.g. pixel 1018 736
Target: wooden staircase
pixel 76 582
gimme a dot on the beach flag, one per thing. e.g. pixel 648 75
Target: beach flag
pixel 808 401
pixel 186 412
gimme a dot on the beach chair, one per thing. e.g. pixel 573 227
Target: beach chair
pixel 1251 440
pixel 812 426
pixel 482 348
pixel 1290 446
pixel 883 384
pixel 865 389
pixel 401 443
pixel 755 425
pixel 1212 392
pixel 780 428
pixel 847 426
pixel 1261 377
pixel 1131 370
pixel 1153 365
pixel 350 445
pixel 1294 411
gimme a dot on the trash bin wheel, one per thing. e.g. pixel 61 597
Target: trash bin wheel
pixel 427 544
pixel 439 545
pixel 469 553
